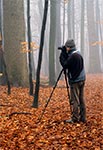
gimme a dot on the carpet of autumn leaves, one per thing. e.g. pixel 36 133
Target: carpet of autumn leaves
pixel 20 129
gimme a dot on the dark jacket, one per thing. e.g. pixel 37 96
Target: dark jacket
pixel 75 65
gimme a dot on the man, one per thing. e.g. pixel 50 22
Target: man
pixel 72 61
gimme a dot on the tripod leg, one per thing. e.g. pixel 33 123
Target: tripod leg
pixel 68 92
pixel 50 95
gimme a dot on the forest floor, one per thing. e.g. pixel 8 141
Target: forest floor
pixel 20 129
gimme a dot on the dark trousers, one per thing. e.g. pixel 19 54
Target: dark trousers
pixel 77 101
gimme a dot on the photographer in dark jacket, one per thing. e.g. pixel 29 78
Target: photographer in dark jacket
pixel 72 61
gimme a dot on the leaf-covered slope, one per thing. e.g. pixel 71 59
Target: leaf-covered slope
pixel 20 129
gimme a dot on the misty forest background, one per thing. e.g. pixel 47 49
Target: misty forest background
pixel 20 28
pixel 30 33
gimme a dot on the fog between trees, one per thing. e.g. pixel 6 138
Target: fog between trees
pixel 81 20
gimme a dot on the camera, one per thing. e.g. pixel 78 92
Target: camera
pixel 63 55
pixel 63 48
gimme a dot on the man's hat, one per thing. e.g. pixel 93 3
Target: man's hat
pixel 70 43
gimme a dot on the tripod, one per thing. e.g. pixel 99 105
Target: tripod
pixel 53 91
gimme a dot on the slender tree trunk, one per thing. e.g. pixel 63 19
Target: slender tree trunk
pixel 5 70
pixel 29 48
pixel 36 95
pixel 1 64
pixel 99 30
pixel 82 25
pixel 44 67
pixel 94 60
pixel 0 16
pixel 73 18
pixel 52 42
pixel 58 37
pixel 71 27
pixel 69 13
pixel 63 22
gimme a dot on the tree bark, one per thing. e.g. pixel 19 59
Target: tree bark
pixel 52 38
pixel 14 34
pixel 29 48
pixel 94 60
pixel 36 94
